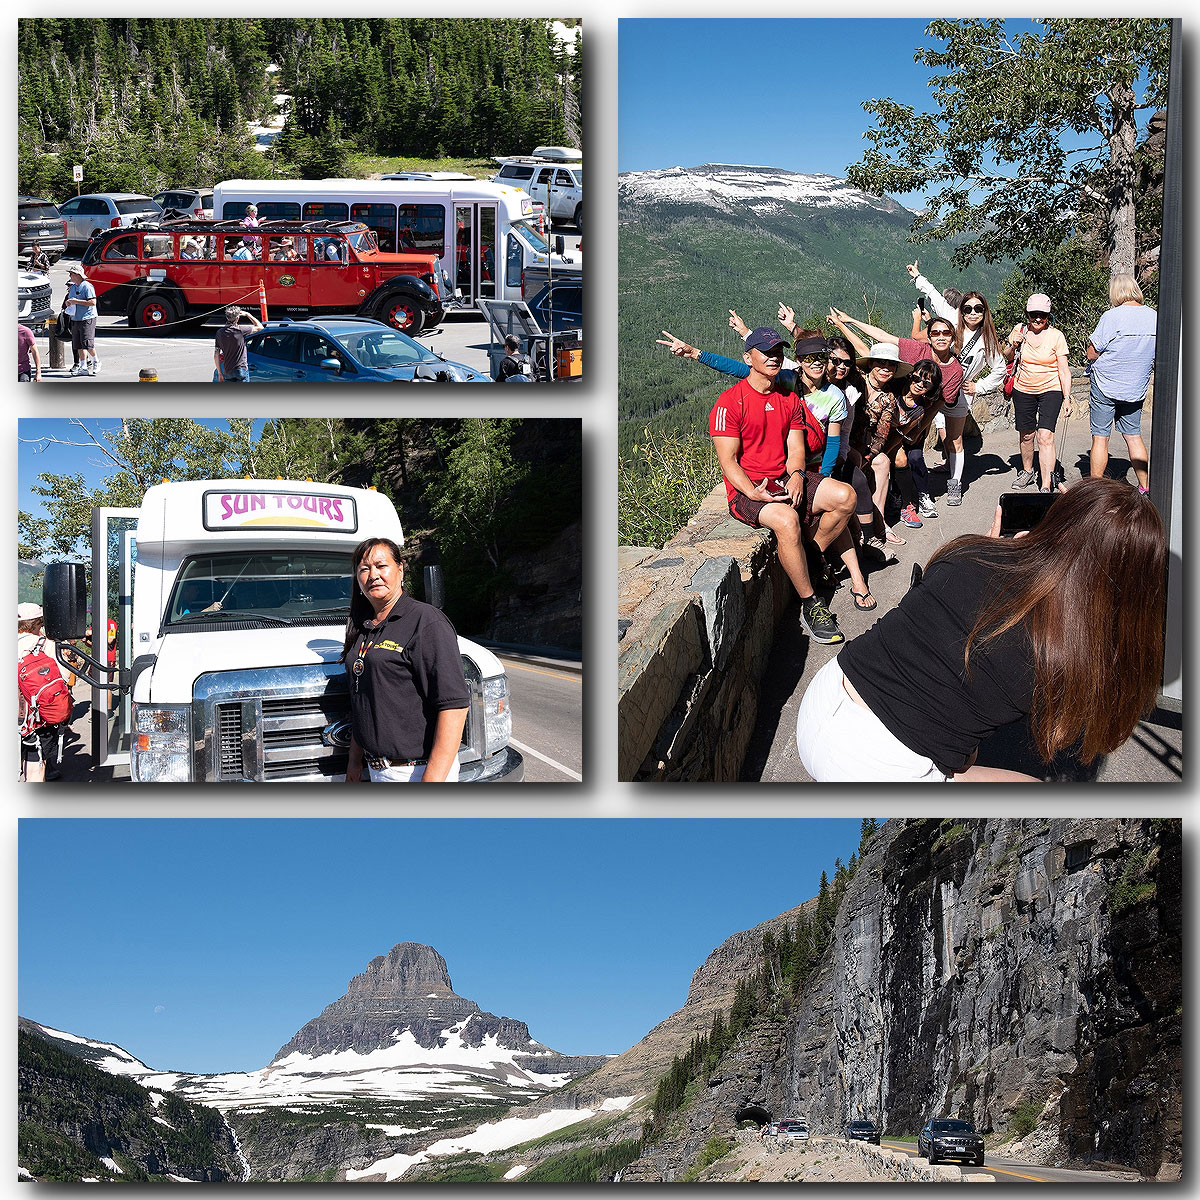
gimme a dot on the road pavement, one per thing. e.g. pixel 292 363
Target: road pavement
pixel 1153 754
pixel 188 356
pixel 1011 1170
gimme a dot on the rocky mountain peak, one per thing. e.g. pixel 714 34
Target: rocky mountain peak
pixel 407 969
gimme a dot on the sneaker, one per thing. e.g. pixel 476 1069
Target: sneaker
pixel 925 505
pixel 909 517
pixel 77 369
pixel 821 624
pixel 94 367
pixel 1025 478
pixel 953 492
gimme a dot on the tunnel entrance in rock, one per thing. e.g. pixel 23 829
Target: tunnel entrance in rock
pixel 752 1113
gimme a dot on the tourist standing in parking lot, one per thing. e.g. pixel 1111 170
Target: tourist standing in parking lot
pixel 80 306
pixel 230 353
pixel 39 261
pixel 29 361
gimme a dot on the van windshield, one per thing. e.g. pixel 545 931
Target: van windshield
pixel 293 587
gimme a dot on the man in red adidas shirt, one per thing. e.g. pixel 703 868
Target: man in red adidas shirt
pixel 760 436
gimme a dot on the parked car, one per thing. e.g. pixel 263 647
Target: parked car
pixel 558 187
pixel 862 1131
pixel 87 215
pixel 187 202
pixel 945 1137
pixel 159 274
pixel 34 306
pixel 794 1130
pixel 39 223
pixel 346 350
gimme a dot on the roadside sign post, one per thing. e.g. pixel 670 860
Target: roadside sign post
pixel 77 175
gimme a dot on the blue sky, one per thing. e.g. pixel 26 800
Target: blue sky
pixel 204 945
pixel 35 458
pixel 772 92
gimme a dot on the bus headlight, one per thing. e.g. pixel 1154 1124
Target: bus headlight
pixel 497 718
pixel 160 750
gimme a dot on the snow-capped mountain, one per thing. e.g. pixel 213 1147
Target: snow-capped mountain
pixel 726 187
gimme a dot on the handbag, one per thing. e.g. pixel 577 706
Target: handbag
pixel 62 327
pixel 1010 376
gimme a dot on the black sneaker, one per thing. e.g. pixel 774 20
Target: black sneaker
pixel 821 624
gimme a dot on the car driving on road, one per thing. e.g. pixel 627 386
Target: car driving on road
pixel 346 350
pixel 794 1130
pixel 862 1131
pixel 946 1138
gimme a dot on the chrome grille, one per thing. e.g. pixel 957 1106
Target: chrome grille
pixel 229 740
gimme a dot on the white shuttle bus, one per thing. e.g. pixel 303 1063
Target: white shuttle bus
pixel 230 598
pixel 484 233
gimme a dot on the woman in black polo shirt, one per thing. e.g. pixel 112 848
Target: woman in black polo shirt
pixel 1064 626
pixel 408 694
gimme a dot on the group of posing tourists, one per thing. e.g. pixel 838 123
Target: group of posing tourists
pixel 1062 626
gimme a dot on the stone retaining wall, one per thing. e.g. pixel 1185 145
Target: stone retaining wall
pixel 897 1165
pixel 696 621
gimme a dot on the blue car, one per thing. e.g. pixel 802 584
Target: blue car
pixel 347 350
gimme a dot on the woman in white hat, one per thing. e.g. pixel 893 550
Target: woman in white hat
pixel 80 306
pixel 1041 389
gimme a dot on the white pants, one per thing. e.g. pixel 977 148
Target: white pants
pixel 842 742
pixel 408 774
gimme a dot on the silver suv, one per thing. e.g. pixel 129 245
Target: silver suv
pixel 87 215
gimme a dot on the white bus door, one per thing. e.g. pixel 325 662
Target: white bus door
pixel 475 252
pixel 114 552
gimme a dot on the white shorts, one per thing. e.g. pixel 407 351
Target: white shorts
pixel 842 742
pixel 408 774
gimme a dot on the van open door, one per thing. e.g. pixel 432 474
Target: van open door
pixel 114 553
pixel 474 271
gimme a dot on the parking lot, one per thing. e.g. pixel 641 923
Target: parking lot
pixel 188 357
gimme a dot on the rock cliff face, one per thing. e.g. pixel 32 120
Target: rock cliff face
pixel 977 968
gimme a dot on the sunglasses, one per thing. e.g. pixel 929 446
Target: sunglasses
pixel 811 359
pixel 921 377
pixel 1038 316
pixel 973 308
pixel 941 333
pixel 840 362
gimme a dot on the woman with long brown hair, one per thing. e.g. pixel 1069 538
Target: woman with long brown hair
pixel 1063 626
pixel 408 694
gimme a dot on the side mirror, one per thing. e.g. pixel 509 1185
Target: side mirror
pixel 559 244
pixel 331 364
pixel 64 601
pixel 435 587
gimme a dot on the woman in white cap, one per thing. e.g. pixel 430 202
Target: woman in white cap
pixel 1041 389
pixel 80 306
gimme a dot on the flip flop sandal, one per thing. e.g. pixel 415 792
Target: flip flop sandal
pixel 895 539
pixel 861 598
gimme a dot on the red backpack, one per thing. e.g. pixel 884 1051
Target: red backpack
pixel 44 690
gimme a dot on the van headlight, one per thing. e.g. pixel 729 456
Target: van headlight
pixel 160 750
pixel 497 717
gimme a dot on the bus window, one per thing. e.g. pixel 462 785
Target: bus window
pixel 423 228
pixel 528 230
pixel 268 210
pixel 122 247
pixel 282 249
pixel 326 210
pixel 382 219
pixel 237 250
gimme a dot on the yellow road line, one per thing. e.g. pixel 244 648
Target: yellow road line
pixel 539 671
pixel 998 1170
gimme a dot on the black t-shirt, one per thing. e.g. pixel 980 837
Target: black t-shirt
pixel 231 341
pixel 411 671
pixel 908 666
pixel 510 365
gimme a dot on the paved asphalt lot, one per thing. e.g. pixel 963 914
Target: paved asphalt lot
pixel 188 358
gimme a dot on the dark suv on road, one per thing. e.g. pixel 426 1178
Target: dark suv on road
pixel 945 1137
pixel 39 223
pixel 862 1131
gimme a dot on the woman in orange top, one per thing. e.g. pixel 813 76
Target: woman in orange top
pixel 1041 389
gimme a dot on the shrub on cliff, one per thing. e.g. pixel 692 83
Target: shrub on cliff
pixel 660 486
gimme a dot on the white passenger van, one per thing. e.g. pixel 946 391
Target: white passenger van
pixel 485 234
pixel 231 598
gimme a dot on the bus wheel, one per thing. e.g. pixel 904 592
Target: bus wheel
pixel 401 314
pixel 154 311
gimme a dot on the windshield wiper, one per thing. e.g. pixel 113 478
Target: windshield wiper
pixel 308 612
pixel 231 614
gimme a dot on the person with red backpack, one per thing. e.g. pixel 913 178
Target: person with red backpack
pixel 44 702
